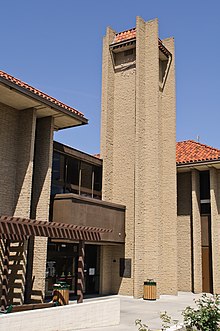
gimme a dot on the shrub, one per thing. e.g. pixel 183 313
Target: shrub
pixel 141 326
pixel 206 316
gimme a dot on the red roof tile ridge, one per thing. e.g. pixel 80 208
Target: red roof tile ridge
pixel 190 151
pixel 38 92
pixel 200 144
pixel 121 32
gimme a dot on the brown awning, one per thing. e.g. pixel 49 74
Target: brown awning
pixel 16 228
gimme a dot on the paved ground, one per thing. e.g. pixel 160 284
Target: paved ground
pixel 149 311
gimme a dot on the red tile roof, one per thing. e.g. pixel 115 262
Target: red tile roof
pixel 190 151
pixel 131 34
pixel 97 156
pixel 35 91
pixel 125 35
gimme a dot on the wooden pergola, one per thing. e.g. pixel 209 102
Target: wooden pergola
pixel 20 229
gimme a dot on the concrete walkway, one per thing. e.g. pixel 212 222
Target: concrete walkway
pixel 149 311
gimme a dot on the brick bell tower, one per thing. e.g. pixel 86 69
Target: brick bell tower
pixel 138 145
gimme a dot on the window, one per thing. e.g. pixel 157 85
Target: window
pixel 73 175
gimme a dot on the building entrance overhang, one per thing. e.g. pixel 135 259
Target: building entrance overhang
pixel 76 209
pixel 20 229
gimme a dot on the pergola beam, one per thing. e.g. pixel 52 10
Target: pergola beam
pixel 4 296
pixel 20 229
pixel 80 276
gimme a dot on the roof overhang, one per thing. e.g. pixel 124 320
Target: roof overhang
pixel 21 98
pixel 67 150
pixel 200 165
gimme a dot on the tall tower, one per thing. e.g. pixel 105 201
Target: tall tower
pixel 138 146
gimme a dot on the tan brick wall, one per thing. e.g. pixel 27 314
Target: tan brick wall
pixel 167 180
pixel 147 212
pixel 16 149
pixel 22 197
pixel 40 206
pixel 197 248
pixel 215 226
pixel 110 280
pixel 24 166
pixel 107 116
pixel 184 208
pixel 105 269
pixel 119 93
pixel 8 156
pixel 8 131
pixel 137 125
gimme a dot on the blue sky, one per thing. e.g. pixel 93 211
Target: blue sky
pixel 56 46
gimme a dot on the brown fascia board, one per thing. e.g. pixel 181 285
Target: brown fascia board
pixel 31 95
pixel 67 150
pixel 91 201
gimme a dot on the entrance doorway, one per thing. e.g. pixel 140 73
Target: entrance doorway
pixel 207 283
pixel 62 265
pixel 92 269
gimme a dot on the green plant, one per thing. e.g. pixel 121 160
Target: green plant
pixel 166 323
pixel 206 316
pixel 166 320
pixel 141 326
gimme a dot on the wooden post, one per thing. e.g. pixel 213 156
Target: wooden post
pixel 4 297
pixel 80 278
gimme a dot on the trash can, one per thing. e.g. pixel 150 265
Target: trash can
pixel 150 290
pixel 61 293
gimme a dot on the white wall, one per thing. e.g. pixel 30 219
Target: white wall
pixel 72 317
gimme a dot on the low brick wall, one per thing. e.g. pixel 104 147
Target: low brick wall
pixel 72 317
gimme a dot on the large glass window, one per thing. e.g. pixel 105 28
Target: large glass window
pixel 58 173
pixel 205 207
pixel 97 182
pixel 204 185
pixel 71 175
pixel 86 179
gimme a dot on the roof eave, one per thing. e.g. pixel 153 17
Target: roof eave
pixel 198 163
pixel 30 94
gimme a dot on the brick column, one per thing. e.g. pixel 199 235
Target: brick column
pixel 17 152
pixel 167 179
pixel 146 155
pixel 40 207
pixel 196 222
pixel 215 226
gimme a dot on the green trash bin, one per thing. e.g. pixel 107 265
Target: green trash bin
pixel 150 290
pixel 61 293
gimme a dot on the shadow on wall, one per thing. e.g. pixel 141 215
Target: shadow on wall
pixel 184 194
pixel 17 267
pixel 111 276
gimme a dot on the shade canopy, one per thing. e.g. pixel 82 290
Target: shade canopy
pixel 16 228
